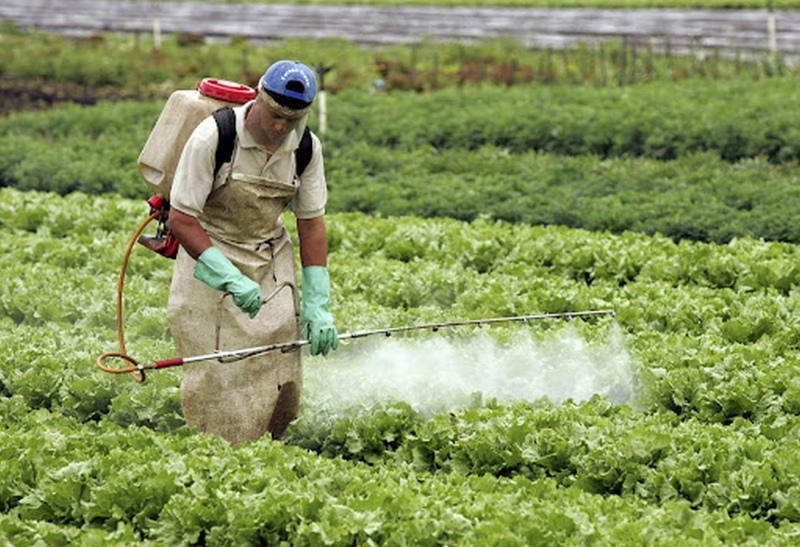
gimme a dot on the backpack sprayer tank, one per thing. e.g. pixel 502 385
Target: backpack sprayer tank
pixel 184 111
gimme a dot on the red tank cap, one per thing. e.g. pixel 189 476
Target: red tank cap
pixel 225 90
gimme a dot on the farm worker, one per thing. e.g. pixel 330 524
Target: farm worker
pixel 233 241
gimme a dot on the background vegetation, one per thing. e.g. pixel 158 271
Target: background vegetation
pixel 664 157
pixel 52 68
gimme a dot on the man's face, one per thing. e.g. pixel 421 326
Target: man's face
pixel 274 124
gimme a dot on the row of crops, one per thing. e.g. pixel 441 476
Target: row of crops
pixel 53 68
pixel 669 158
pixel 677 421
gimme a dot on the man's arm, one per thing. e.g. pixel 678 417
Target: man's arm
pixel 313 241
pixel 316 321
pixel 189 232
pixel 213 268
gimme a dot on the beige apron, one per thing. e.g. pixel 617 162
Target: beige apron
pixel 240 401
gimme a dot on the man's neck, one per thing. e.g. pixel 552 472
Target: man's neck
pixel 259 136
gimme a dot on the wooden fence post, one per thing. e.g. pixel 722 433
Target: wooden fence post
pixel 322 100
pixel 156 26
pixel 772 38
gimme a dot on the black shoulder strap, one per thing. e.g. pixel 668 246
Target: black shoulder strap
pixel 303 153
pixel 226 125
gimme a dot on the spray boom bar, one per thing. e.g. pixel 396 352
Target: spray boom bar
pixel 237 355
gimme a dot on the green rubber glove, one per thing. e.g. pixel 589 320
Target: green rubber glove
pixel 215 270
pixel 316 323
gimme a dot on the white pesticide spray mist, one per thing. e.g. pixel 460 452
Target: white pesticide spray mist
pixel 438 374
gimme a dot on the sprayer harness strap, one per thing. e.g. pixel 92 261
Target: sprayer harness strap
pixel 226 125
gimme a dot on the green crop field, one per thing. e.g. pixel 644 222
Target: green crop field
pixel 691 434
pixel 670 199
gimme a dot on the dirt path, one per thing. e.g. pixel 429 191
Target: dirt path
pixel 677 30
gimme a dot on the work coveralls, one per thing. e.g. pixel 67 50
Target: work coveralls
pixel 241 212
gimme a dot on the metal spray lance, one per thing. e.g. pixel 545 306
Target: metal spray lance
pixel 138 369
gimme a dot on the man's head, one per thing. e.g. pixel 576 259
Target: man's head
pixel 288 87
pixel 285 94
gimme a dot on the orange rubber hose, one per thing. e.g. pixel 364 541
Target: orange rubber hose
pixel 134 371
